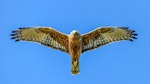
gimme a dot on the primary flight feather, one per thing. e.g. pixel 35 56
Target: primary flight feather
pixel 74 43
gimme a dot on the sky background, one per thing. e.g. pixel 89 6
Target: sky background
pixel 118 63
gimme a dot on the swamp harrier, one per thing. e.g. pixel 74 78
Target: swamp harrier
pixel 74 44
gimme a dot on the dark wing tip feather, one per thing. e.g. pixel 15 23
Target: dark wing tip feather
pixel 132 35
pixel 23 27
pixel 13 37
pixel 17 40
pixel 135 34
pixel 131 40
pixel 125 28
pixel 14 34
pixel 13 31
pixel 133 30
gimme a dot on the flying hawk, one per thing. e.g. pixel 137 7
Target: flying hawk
pixel 74 43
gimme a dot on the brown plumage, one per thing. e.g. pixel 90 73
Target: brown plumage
pixel 75 43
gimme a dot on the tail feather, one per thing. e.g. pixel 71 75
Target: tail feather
pixel 75 68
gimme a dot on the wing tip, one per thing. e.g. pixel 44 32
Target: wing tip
pixel 133 35
pixel 14 35
pixel 15 38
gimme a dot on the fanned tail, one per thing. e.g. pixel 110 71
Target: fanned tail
pixel 75 68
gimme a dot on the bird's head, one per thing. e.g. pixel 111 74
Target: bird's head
pixel 75 33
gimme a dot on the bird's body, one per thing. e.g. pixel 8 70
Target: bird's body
pixel 74 43
pixel 75 49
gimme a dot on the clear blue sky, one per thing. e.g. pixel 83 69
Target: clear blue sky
pixel 118 63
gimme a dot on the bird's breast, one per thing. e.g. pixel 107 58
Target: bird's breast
pixel 75 46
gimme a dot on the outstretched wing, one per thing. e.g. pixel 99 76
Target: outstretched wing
pixel 43 35
pixel 104 35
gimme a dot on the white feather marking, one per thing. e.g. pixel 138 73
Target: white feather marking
pixel 84 47
pixel 46 39
pixel 42 39
pixel 95 43
pixel 58 45
pixel 54 43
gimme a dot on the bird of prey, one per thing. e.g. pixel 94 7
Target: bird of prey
pixel 74 44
